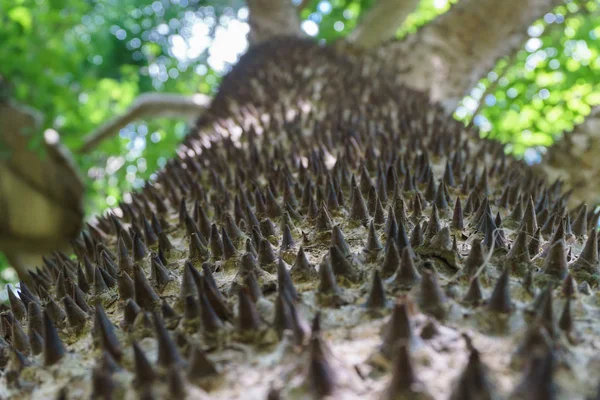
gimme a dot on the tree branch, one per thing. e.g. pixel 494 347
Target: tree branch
pixel 574 159
pixel 41 207
pixel 381 22
pixel 303 4
pixel 447 57
pixel 270 18
pixel 149 105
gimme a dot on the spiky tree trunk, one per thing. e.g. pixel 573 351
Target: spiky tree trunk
pixel 318 187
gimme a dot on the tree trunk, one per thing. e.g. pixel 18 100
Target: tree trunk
pixel 309 191
pixel 317 187
pixel 271 18
pixel 381 22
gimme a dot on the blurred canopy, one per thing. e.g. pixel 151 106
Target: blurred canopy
pixel 82 62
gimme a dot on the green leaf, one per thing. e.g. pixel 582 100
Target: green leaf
pixel 22 16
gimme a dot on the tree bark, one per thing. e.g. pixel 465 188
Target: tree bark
pixel 451 54
pixel 381 22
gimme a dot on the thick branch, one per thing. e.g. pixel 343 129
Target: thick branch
pixel 451 54
pixel 41 194
pixel 381 22
pixel 149 105
pixel 574 159
pixel 270 18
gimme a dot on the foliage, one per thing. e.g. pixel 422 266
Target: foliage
pixel 82 62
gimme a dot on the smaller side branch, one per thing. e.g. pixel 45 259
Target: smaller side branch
pixel 381 22
pixel 149 105
pixel 271 18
